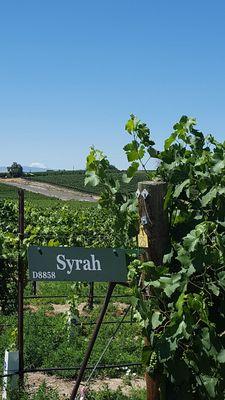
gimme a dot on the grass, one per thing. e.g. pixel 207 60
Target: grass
pixel 42 393
pixel 66 289
pixel 51 342
pixel 11 193
pixel 107 394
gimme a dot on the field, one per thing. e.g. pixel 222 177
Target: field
pixel 53 222
pixel 38 200
pixel 75 180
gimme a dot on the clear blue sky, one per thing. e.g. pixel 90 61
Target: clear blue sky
pixel 72 71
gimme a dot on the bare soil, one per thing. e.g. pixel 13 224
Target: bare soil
pixel 46 189
pixel 64 387
pixel 120 308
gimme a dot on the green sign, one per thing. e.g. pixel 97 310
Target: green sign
pixel 77 264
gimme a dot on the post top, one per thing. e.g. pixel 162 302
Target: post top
pixel 152 183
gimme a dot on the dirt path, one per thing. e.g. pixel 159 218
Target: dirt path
pixel 64 387
pixel 46 189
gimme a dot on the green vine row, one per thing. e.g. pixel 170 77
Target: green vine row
pixel 184 316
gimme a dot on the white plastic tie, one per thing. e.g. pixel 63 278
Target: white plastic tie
pixel 144 194
pixel 138 193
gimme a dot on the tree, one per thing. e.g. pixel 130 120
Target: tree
pixel 15 170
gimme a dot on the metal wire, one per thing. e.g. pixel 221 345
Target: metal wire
pixel 108 344
pixel 103 323
pixel 76 368
pixel 65 296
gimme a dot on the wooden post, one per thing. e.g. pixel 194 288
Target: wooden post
pixel 154 220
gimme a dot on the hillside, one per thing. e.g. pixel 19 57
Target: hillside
pixel 75 180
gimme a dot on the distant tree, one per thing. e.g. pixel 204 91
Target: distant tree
pixel 15 170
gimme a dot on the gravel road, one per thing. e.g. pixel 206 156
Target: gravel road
pixel 59 192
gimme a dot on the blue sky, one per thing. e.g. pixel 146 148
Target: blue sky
pixel 72 71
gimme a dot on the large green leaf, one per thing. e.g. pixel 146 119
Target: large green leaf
pixel 170 140
pixel 91 178
pixel 219 166
pixel 170 284
pixel 210 384
pixel 157 319
pixel 132 169
pixel 209 196
pixel 180 303
pixel 179 188
pixel 221 356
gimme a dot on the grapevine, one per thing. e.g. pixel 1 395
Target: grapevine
pixel 183 320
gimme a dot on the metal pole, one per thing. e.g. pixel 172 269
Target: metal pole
pixel 20 288
pixel 91 296
pixel 92 340
pixel 34 285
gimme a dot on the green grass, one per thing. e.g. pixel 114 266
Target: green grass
pixel 11 193
pixel 42 393
pixel 107 394
pixel 66 289
pixel 75 180
pixel 50 342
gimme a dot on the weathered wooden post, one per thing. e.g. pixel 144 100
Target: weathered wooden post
pixel 154 224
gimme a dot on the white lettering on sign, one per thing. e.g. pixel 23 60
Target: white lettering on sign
pixel 68 264
pixel 43 275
